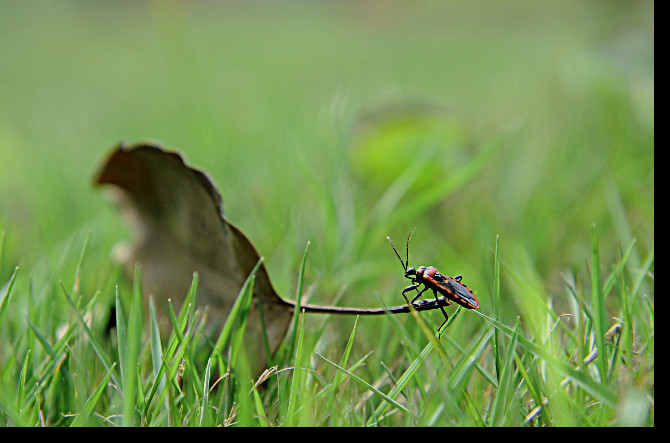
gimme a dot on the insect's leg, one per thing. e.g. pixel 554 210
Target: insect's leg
pixel 458 278
pixel 410 288
pixel 419 294
pixel 446 317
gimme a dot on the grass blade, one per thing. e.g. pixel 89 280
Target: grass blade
pixel 409 373
pixel 496 303
pixel 366 384
pixel 82 418
pixel 463 368
pixel 241 322
pixel 133 344
pixel 336 413
pixel 260 410
pixel 5 300
pixel 205 398
pixel 121 337
pixel 80 261
pixel 155 337
pixel 497 416
pixel 296 381
pixel 239 305
pixel 290 339
pixel 601 324
pixel 22 382
pixel 593 388
pixel 97 347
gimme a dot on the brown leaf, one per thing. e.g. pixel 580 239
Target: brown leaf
pixel 176 215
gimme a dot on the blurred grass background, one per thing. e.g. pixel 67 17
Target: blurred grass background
pixel 333 122
pixel 305 113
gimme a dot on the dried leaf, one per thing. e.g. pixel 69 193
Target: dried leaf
pixel 176 215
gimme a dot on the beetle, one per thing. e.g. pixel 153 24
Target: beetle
pixel 452 288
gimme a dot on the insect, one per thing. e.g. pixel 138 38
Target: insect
pixel 450 287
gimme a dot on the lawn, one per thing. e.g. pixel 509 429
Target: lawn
pixel 517 137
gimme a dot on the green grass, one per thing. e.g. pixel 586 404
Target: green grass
pixel 517 138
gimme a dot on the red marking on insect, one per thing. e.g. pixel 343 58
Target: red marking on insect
pixel 450 287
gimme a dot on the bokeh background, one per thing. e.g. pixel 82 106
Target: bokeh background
pixel 340 123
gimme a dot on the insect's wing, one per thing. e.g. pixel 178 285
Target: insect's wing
pixel 462 294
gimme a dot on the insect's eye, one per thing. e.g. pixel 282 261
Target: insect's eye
pixel 410 271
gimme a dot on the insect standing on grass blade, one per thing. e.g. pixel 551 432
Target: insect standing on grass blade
pixel 450 287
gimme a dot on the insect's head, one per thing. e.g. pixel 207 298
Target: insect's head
pixel 408 271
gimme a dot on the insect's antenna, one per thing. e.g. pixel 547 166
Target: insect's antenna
pixel 408 237
pixel 404 265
